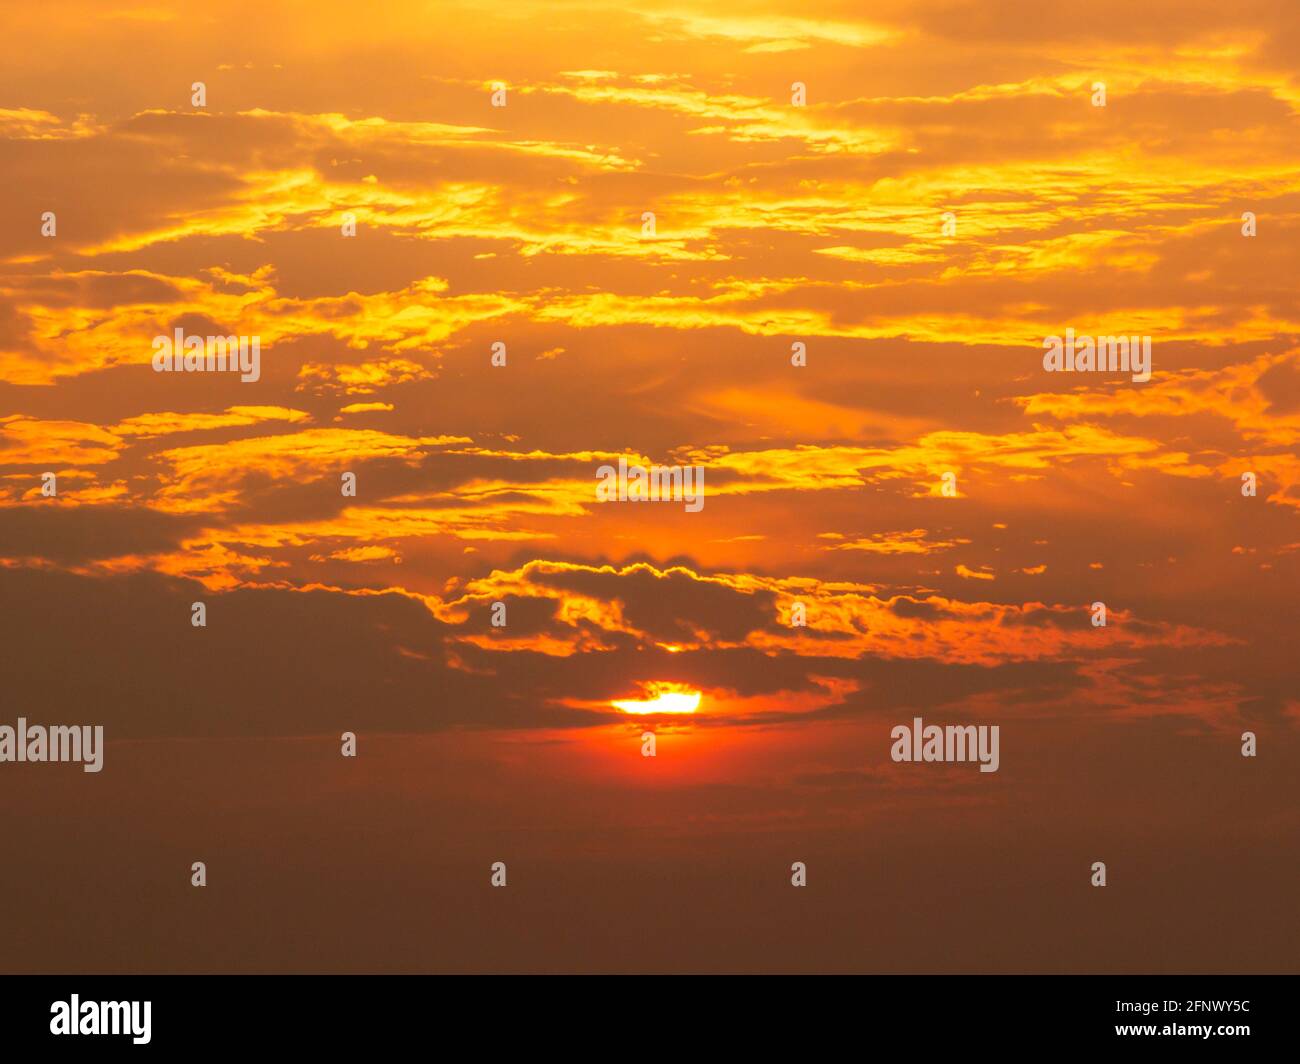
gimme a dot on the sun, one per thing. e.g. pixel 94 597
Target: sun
pixel 661 698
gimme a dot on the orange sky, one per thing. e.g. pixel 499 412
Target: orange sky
pixel 775 224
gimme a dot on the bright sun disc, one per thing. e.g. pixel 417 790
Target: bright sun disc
pixel 663 699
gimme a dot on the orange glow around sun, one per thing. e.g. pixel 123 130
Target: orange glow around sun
pixel 661 698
